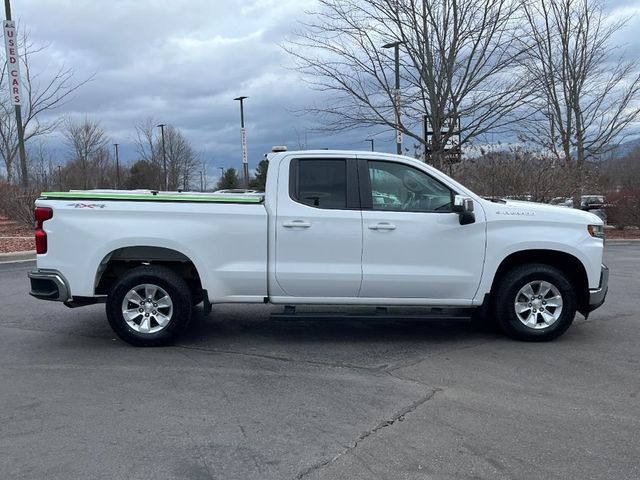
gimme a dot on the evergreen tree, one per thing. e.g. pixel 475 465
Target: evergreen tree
pixel 228 180
pixel 143 174
pixel 260 180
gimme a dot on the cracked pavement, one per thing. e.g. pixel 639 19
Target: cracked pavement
pixel 246 397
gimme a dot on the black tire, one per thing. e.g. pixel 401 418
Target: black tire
pixel 176 289
pixel 505 297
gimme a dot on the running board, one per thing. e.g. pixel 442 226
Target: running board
pixel 381 313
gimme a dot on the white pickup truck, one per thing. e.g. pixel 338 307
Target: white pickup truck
pixel 332 228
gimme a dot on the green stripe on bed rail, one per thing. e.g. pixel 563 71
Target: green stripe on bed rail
pixel 149 197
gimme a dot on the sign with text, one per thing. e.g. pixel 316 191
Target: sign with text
pixel 397 99
pixel 13 61
pixel 243 140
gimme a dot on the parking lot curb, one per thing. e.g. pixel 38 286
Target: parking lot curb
pixel 17 256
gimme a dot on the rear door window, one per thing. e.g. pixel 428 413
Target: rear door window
pixel 320 183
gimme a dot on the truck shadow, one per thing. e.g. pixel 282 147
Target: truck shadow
pixel 372 344
pixel 254 324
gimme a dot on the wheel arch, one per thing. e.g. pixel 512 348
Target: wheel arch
pixel 563 261
pixel 119 261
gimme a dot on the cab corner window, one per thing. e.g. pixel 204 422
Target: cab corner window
pixel 399 187
pixel 320 183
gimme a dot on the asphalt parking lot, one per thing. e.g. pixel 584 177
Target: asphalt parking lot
pixel 246 397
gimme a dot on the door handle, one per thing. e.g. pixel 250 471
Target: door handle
pixel 382 226
pixel 296 224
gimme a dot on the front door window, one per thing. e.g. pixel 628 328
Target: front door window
pixel 399 187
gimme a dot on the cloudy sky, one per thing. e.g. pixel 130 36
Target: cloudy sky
pixel 183 61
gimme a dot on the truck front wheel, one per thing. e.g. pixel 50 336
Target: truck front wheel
pixel 535 302
pixel 149 306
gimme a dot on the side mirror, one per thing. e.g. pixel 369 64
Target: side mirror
pixel 463 206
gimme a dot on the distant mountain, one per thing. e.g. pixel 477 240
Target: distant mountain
pixel 623 149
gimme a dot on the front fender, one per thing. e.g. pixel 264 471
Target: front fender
pixel 571 239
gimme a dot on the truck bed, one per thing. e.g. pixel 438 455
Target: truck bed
pixel 223 235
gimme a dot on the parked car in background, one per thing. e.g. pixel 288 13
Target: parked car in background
pixel 589 203
pixel 235 191
pixel 523 198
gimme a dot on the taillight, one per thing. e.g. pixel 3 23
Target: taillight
pixel 42 214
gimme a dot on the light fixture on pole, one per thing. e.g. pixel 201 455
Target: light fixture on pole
pixel 243 143
pixel 370 140
pixel 164 157
pixel 117 167
pixel 396 95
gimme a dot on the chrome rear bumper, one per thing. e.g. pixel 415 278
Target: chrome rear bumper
pixel 49 285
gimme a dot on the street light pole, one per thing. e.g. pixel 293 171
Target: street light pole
pixel 221 177
pixel 243 142
pixel 164 158
pixel 370 140
pixel 396 95
pixel 117 167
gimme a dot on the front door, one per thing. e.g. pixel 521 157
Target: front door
pixel 319 229
pixel 413 243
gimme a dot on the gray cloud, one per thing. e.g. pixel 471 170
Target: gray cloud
pixel 180 63
pixel 183 62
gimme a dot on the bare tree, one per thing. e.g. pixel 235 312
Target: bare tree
pixel 146 142
pixel 585 95
pixel 516 172
pixel 181 159
pixel 88 143
pixel 148 171
pixel 622 173
pixel 456 65
pixel 42 171
pixel 43 92
pixel 182 164
pixel 621 176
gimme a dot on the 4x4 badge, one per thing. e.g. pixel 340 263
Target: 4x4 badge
pixel 86 205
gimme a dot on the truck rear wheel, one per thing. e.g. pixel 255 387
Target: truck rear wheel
pixel 535 302
pixel 149 306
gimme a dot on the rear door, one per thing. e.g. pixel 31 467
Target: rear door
pixel 413 243
pixel 318 228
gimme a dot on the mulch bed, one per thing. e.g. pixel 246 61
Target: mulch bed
pixel 17 242
pixel 614 234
